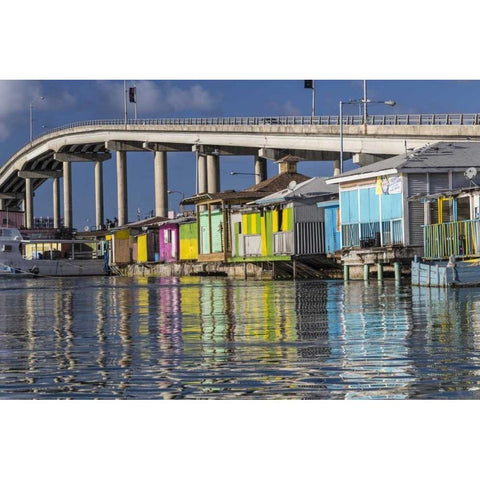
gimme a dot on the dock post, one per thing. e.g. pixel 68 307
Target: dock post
pixel 380 272
pixel 366 270
pixel 346 273
pixel 397 271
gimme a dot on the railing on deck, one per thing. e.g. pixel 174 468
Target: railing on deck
pixel 252 245
pixel 283 243
pixel 460 239
pixel 373 234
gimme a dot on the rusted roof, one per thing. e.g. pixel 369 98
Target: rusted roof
pixel 228 197
pixel 277 183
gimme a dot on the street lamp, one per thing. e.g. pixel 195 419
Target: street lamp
pixel 31 117
pixel 365 101
pixel 183 197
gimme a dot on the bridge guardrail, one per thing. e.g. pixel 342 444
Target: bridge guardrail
pixel 404 119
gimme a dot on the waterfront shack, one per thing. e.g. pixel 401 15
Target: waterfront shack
pixel 452 227
pixel 378 222
pixel 214 213
pixel 170 242
pixel 285 225
pixel 135 241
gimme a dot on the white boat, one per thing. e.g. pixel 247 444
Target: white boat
pixel 39 258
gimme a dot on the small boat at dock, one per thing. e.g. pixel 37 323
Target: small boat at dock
pixel 45 257
pixel 453 274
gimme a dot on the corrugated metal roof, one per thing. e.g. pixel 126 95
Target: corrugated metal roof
pixel 313 187
pixel 457 155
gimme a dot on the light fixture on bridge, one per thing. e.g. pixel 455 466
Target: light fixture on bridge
pixel 365 101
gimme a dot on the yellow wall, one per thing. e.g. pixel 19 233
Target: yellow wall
pixel 142 250
pixel 188 249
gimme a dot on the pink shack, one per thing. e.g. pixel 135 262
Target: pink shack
pixel 169 239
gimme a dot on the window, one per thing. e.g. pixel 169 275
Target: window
pixel 6 248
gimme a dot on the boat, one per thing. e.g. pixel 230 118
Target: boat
pixel 451 274
pixel 48 257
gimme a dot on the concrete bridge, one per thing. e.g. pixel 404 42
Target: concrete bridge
pixel 265 138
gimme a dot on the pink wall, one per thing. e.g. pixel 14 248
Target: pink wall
pixel 11 219
pixel 168 250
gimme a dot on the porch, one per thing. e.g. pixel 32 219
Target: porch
pixel 460 239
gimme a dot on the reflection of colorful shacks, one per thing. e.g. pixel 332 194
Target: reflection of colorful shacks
pixel 170 240
pixel 282 225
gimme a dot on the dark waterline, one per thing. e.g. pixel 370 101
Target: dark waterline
pixel 202 338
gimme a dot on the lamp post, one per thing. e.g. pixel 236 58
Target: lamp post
pixel 365 101
pixel 31 117
pixel 183 197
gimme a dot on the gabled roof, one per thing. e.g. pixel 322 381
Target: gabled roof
pixel 440 155
pixel 147 222
pixel 276 183
pixel 312 188
pixel 270 185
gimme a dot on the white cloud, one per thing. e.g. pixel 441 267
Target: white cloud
pixel 155 99
pixel 15 98
pixel 285 108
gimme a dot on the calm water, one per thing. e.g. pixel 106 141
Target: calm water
pixel 203 338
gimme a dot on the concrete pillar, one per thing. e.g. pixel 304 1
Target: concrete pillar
pixel 67 195
pixel 2 205
pixel 213 173
pixel 260 169
pixel 56 202
pixel 99 214
pixel 336 168
pixel 122 200
pixel 366 271
pixel 346 272
pixel 380 272
pixel 161 184
pixel 28 203
pixel 202 185
pixel 398 271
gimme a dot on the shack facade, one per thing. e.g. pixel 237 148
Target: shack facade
pixel 284 224
pixel 374 206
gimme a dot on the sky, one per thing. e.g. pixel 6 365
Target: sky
pixel 67 101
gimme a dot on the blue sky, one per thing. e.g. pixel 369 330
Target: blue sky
pixel 69 101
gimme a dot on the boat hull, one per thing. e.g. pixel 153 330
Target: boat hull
pixel 440 274
pixel 53 268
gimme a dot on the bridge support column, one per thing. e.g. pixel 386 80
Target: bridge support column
pixel 161 184
pixel 99 214
pixel 28 203
pixel 260 169
pixel 67 195
pixel 202 186
pixel 56 202
pixel 1 204
pixel 213 173
pixel 122 200
pixel 336 168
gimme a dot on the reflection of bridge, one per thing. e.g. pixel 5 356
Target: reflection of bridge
pixel 317 138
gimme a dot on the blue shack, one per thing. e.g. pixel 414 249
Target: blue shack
pixel 376 211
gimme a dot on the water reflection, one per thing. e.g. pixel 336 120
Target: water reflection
pixel 219 338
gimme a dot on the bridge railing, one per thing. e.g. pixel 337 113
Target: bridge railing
pixel 404 119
